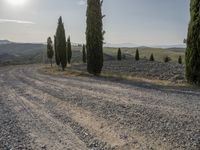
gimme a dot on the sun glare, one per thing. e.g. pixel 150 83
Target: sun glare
pixel 17 2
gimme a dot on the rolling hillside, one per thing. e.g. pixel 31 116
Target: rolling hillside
pixel 21 53
pixel 29 53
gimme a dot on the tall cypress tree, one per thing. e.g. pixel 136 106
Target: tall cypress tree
pixel 84 54
pixel 61 44
pixel 69 50
pixel 193 44
pixel 152 57
pixel 119 54
pixel 56 52
pixel 180 60
pixel 137 55
pixel 94 37
pixel 50 49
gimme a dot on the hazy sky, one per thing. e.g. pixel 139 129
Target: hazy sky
pixel 158 22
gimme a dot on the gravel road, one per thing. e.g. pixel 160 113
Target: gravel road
pixel 40 111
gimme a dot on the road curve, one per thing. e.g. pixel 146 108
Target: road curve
pixel 40 111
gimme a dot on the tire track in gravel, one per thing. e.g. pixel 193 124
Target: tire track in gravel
pixel 35 99
pixel 47 133
pixel 124 117
pixel 125 98
pixel 134 142
pixel 130 94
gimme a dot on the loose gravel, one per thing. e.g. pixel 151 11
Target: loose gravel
pixel 141 116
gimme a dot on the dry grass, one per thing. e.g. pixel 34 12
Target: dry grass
pixel 55 70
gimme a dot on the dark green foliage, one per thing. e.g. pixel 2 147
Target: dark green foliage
pixel 84 54
pixel 152 58
pixel 69 50
pixel 167 59
pixel 180 60
pixel 56 52
pixel 94 37
pixel 50 49
pixel 137 55
pixel 119 54
pixel 193 44
pixel 61 44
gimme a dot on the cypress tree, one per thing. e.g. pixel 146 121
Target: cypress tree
pixel 61 44
pixel 167 59
pixel 94 37
pixel 152 57
pixel 180 60
pixel 193 44
pixel 50 49
pixel 84 55
pixel 119 54
pixel 137 55
pixel 56 52
pixel 69 50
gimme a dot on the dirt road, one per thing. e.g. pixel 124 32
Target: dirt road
pixel 40 111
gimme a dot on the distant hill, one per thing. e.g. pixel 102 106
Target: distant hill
pixel 131 45
pixel 28 53
pixel 20 53
pixel 4 42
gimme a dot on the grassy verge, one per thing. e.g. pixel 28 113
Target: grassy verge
pixel 56 71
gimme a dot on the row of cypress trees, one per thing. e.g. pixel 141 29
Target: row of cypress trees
pixel 63 50
pixel 137 57
pixel 94 41
pixel 119 55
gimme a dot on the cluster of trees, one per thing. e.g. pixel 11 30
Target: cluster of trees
pixel 62 48
pixel 94 43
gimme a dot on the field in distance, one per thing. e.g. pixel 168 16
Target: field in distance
pixel 23 53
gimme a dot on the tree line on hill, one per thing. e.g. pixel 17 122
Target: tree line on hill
pixel 137 57
pixel 93 50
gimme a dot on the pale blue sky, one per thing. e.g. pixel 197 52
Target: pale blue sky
pixel 143 22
